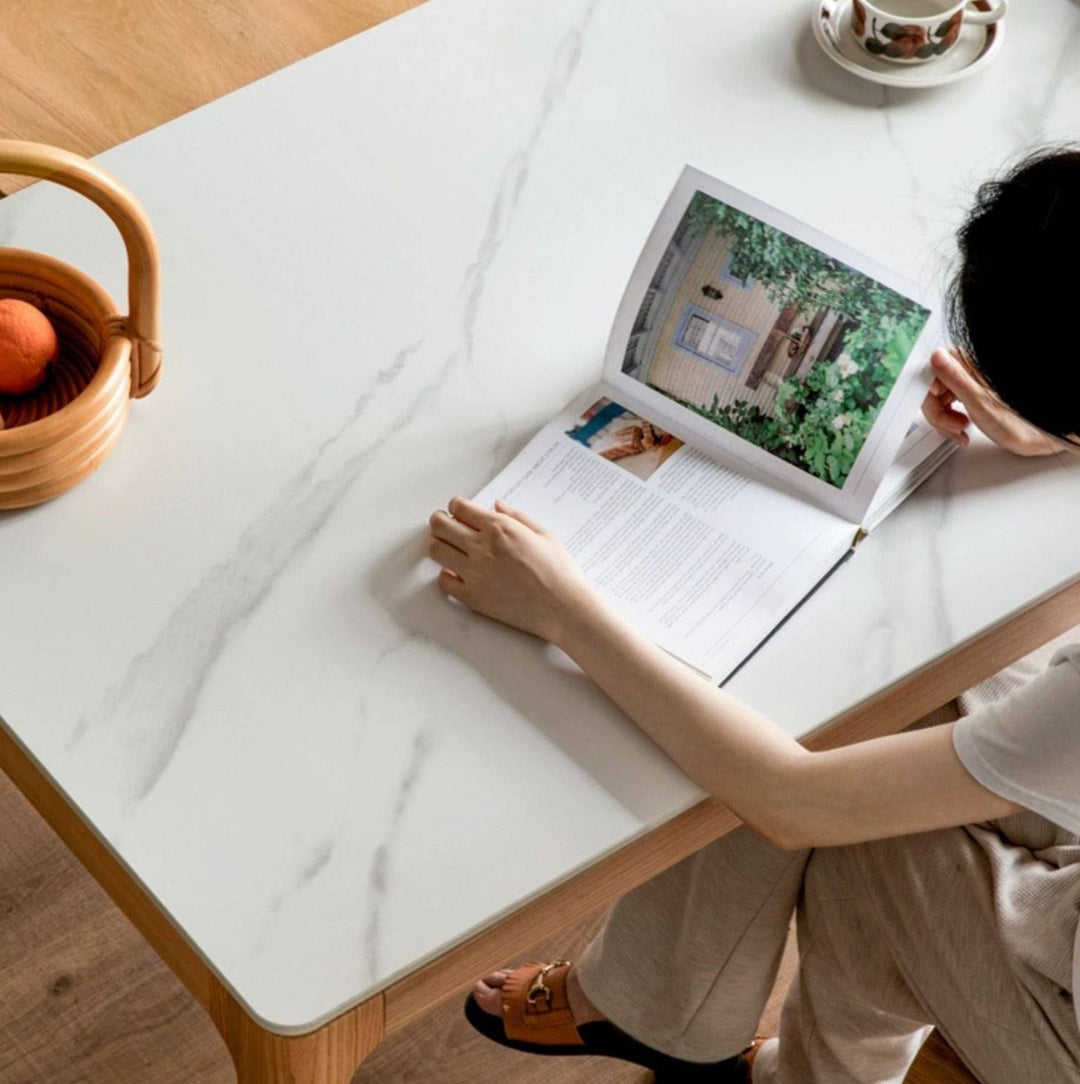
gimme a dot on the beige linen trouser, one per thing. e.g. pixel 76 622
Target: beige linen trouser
pixel 969 930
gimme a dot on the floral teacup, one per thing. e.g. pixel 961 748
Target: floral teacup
pixel 914 31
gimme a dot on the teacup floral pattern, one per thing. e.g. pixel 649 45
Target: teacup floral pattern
pixel 858 17
pixel 905 41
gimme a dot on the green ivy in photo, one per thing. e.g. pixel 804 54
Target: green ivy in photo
pixel 821 419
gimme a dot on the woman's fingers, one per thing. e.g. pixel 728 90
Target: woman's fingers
pixel 448 556
pixel 942 414
pixel 948 422
pixel 443 525
pixel 513 513
pixel 452 585
pixel 952 383
pixel 956 377
pixel 939 391
pixel 466 518
pixel 470 513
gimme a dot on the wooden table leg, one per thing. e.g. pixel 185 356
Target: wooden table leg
pixel 330 1055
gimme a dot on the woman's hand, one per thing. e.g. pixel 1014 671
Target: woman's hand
pixel 504 566
pixel 955 383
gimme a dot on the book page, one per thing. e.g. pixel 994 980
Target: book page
pixel 782 348
pixel 702 559
pixel 924 450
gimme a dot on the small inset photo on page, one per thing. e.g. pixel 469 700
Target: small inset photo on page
pixel 622 437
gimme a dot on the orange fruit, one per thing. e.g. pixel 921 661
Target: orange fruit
pixel 28 344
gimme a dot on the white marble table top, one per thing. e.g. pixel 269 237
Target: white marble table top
pixel 384 268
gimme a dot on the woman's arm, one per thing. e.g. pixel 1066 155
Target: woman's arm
pixel 501 564
pixel 889 786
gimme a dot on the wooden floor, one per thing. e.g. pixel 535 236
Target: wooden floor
pixel 83 999
pixel 88 74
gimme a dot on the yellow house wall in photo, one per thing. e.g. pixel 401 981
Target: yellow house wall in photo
pixel 695 379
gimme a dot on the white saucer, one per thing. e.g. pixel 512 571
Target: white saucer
pixel 978 45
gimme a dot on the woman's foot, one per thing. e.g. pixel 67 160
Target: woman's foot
pixel 488 995
pixel 540 1008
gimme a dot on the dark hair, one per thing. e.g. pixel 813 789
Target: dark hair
pixel 1013 300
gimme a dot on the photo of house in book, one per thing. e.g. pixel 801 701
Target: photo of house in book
pixel 621 436
pixel 771 338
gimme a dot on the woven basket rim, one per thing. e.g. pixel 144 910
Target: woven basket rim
pixel 115 351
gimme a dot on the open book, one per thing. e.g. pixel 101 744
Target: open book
pixel 755 419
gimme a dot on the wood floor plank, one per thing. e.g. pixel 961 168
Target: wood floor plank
pixel 937 1064
pixel 87 75
pixel 442 1046
pixel 83 998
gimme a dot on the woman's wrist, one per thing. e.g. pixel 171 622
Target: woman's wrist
pixel 579 618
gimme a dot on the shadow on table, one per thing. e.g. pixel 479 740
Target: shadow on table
pixel 983 466
pixel 817 75
pixel 535 680
pixel 539 684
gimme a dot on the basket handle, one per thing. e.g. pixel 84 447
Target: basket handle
pixel 90 180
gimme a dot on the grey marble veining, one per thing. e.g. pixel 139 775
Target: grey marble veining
pixel 385 267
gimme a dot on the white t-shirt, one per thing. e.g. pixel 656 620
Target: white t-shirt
pixel 1027 749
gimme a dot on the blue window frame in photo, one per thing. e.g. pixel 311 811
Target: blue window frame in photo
pixel 713 339
pixel 727 276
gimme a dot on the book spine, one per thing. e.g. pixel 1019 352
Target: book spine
pixel 794 610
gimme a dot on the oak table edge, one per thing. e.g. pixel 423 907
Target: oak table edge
pixel 329 1047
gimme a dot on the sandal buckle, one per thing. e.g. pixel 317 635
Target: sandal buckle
pixel 539 991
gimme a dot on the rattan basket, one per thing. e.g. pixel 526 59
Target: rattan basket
pixel 55 436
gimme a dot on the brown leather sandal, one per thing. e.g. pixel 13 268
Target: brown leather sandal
pixel 751 1052
pixel 536 1019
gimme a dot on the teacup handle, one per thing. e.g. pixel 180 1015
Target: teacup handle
pixel 982 18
